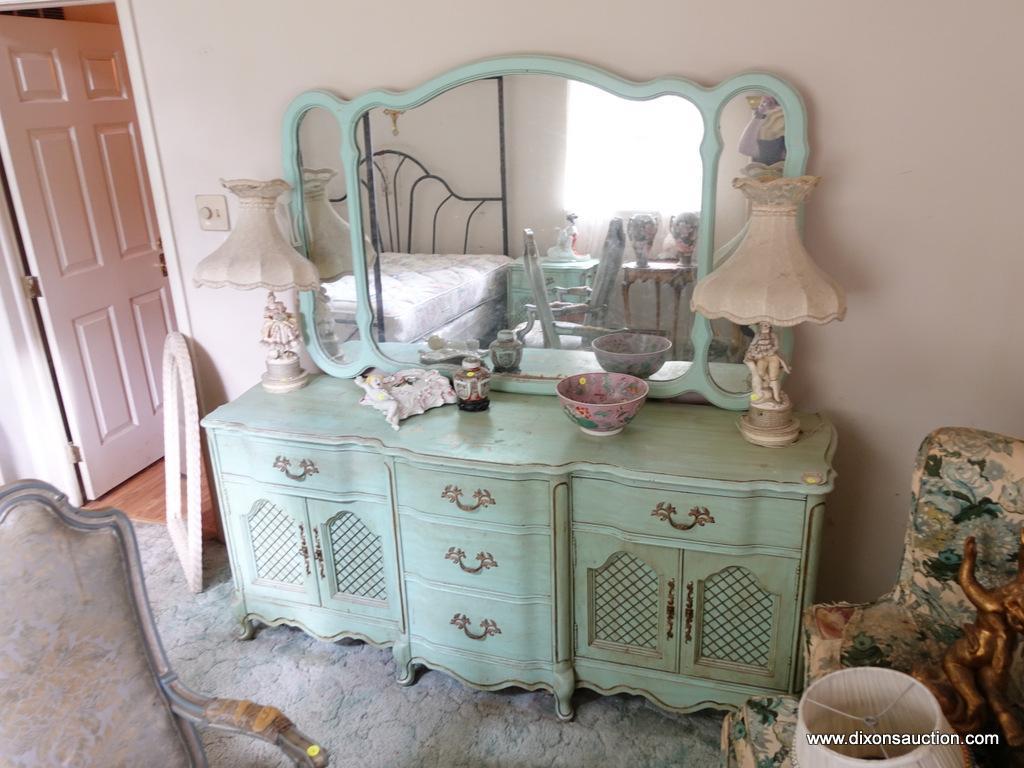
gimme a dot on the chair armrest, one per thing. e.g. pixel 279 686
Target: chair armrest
pixel 242 716
pixel 560 308
pixel 579 290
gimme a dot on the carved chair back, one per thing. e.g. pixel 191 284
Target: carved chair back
pixel 607 276
pixel 966 483
pixel 535 276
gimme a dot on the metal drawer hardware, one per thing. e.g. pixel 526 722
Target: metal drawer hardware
pixel 482 495
pixel 458 555
pixel 318 553
pixel 671 608
pixel 308 467
pixel 689 611
pixel 489 627
pixel 665 511
pixel 303 549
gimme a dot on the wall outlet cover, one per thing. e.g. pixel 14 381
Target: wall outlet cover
pixel 213 213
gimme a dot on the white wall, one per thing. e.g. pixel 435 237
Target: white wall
pixel 914 127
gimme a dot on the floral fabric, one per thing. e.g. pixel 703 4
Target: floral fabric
pixel 966 482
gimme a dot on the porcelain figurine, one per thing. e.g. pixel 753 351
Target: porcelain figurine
pixel 473 385
pixel 506 352
pixel 642 229
pixel 565 249
pixel 405 393
pixel 280 332
pixel 681 239
pixel 765 364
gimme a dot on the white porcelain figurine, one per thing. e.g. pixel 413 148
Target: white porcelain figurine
pixel 765 364
pixel 405 393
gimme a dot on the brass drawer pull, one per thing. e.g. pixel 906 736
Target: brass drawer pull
pixel 454 495
pixel 671 608
pixel 689 611
pixel 308 467
pixel 489 627
pixel 665 511
pixel 318 553
pixel 458 555
pixel 303 549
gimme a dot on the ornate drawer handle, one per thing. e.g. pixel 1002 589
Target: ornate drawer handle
pixel 671 608
pixel 308 467
pixel 457 555
pixel 482 495
pixel 303 549
pixel 689 611
pixel 665 511
pixel 489 627
pixel 318 553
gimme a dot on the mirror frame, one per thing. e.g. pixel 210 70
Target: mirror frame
pixel 710 101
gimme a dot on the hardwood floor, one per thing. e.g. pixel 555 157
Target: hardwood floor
pixel 141 497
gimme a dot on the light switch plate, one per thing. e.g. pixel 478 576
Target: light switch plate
pixel 213 213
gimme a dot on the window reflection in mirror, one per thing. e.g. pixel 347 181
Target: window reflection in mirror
pixel 753 129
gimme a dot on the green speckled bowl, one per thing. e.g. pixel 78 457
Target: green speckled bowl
pixel 601 404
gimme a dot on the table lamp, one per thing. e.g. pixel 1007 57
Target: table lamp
pixel 256 255
pixel 771 281
pixel 874 709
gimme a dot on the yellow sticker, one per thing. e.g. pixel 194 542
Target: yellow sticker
pixel 813 478
pixel 583 380
pixel 470 374
pixel 313 750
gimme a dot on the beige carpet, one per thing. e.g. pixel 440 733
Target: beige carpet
pixel 344 695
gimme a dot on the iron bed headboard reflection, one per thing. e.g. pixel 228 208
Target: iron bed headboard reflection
pixel 386 226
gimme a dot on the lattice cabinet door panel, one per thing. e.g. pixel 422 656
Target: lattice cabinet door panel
pixel 355 558
pixel 274 551
pixel 738 618
pixel 626 601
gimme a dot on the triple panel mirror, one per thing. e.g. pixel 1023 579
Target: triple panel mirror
pixel 415 205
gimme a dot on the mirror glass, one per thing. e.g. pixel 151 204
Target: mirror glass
pixel 753 130
pixel 322 226
pixel 609 186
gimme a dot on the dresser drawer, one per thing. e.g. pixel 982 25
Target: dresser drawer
pixel 301 466
pixel 520 631
pixel 473 497
pixel 513 563
pixel 736 520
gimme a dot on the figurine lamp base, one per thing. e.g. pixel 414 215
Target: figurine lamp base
pixel 284 375
pixel 771 425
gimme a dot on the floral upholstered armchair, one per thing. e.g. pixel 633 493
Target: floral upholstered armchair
pixel 966 483
pixel 83 677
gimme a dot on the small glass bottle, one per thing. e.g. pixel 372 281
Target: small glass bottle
pixel 506 352
pixel 473 385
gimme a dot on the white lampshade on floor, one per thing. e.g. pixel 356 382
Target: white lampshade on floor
pixel 878 702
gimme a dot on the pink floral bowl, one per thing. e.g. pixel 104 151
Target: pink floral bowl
pixel 601 403
pixel 638 354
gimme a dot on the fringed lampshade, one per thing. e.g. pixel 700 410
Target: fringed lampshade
pixel 256 255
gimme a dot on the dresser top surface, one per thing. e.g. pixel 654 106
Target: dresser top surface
pixel 530 432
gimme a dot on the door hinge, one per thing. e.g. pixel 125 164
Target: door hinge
pixel 74 453
pixel 30 287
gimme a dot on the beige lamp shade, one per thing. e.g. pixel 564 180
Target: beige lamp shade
pixel 256 254
pixel 327 234
pixel 771 277
pixel 868 705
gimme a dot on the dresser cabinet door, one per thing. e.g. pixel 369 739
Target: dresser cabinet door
pixel 738 615
pixel 627 601
pixel 354 556
pixel 272 541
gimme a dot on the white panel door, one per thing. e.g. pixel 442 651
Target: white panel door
pixel 80 188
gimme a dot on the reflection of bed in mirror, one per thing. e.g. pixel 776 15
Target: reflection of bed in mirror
pixel 416 290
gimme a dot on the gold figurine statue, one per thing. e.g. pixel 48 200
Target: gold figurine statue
pixel 977 666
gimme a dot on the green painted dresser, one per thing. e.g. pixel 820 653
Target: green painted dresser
pixel 560 275
pixel 508 548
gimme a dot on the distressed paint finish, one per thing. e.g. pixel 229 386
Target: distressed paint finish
pixel 552 513
pixel 710 101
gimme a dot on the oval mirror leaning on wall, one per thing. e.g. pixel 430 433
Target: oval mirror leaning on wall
pixel 617 180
